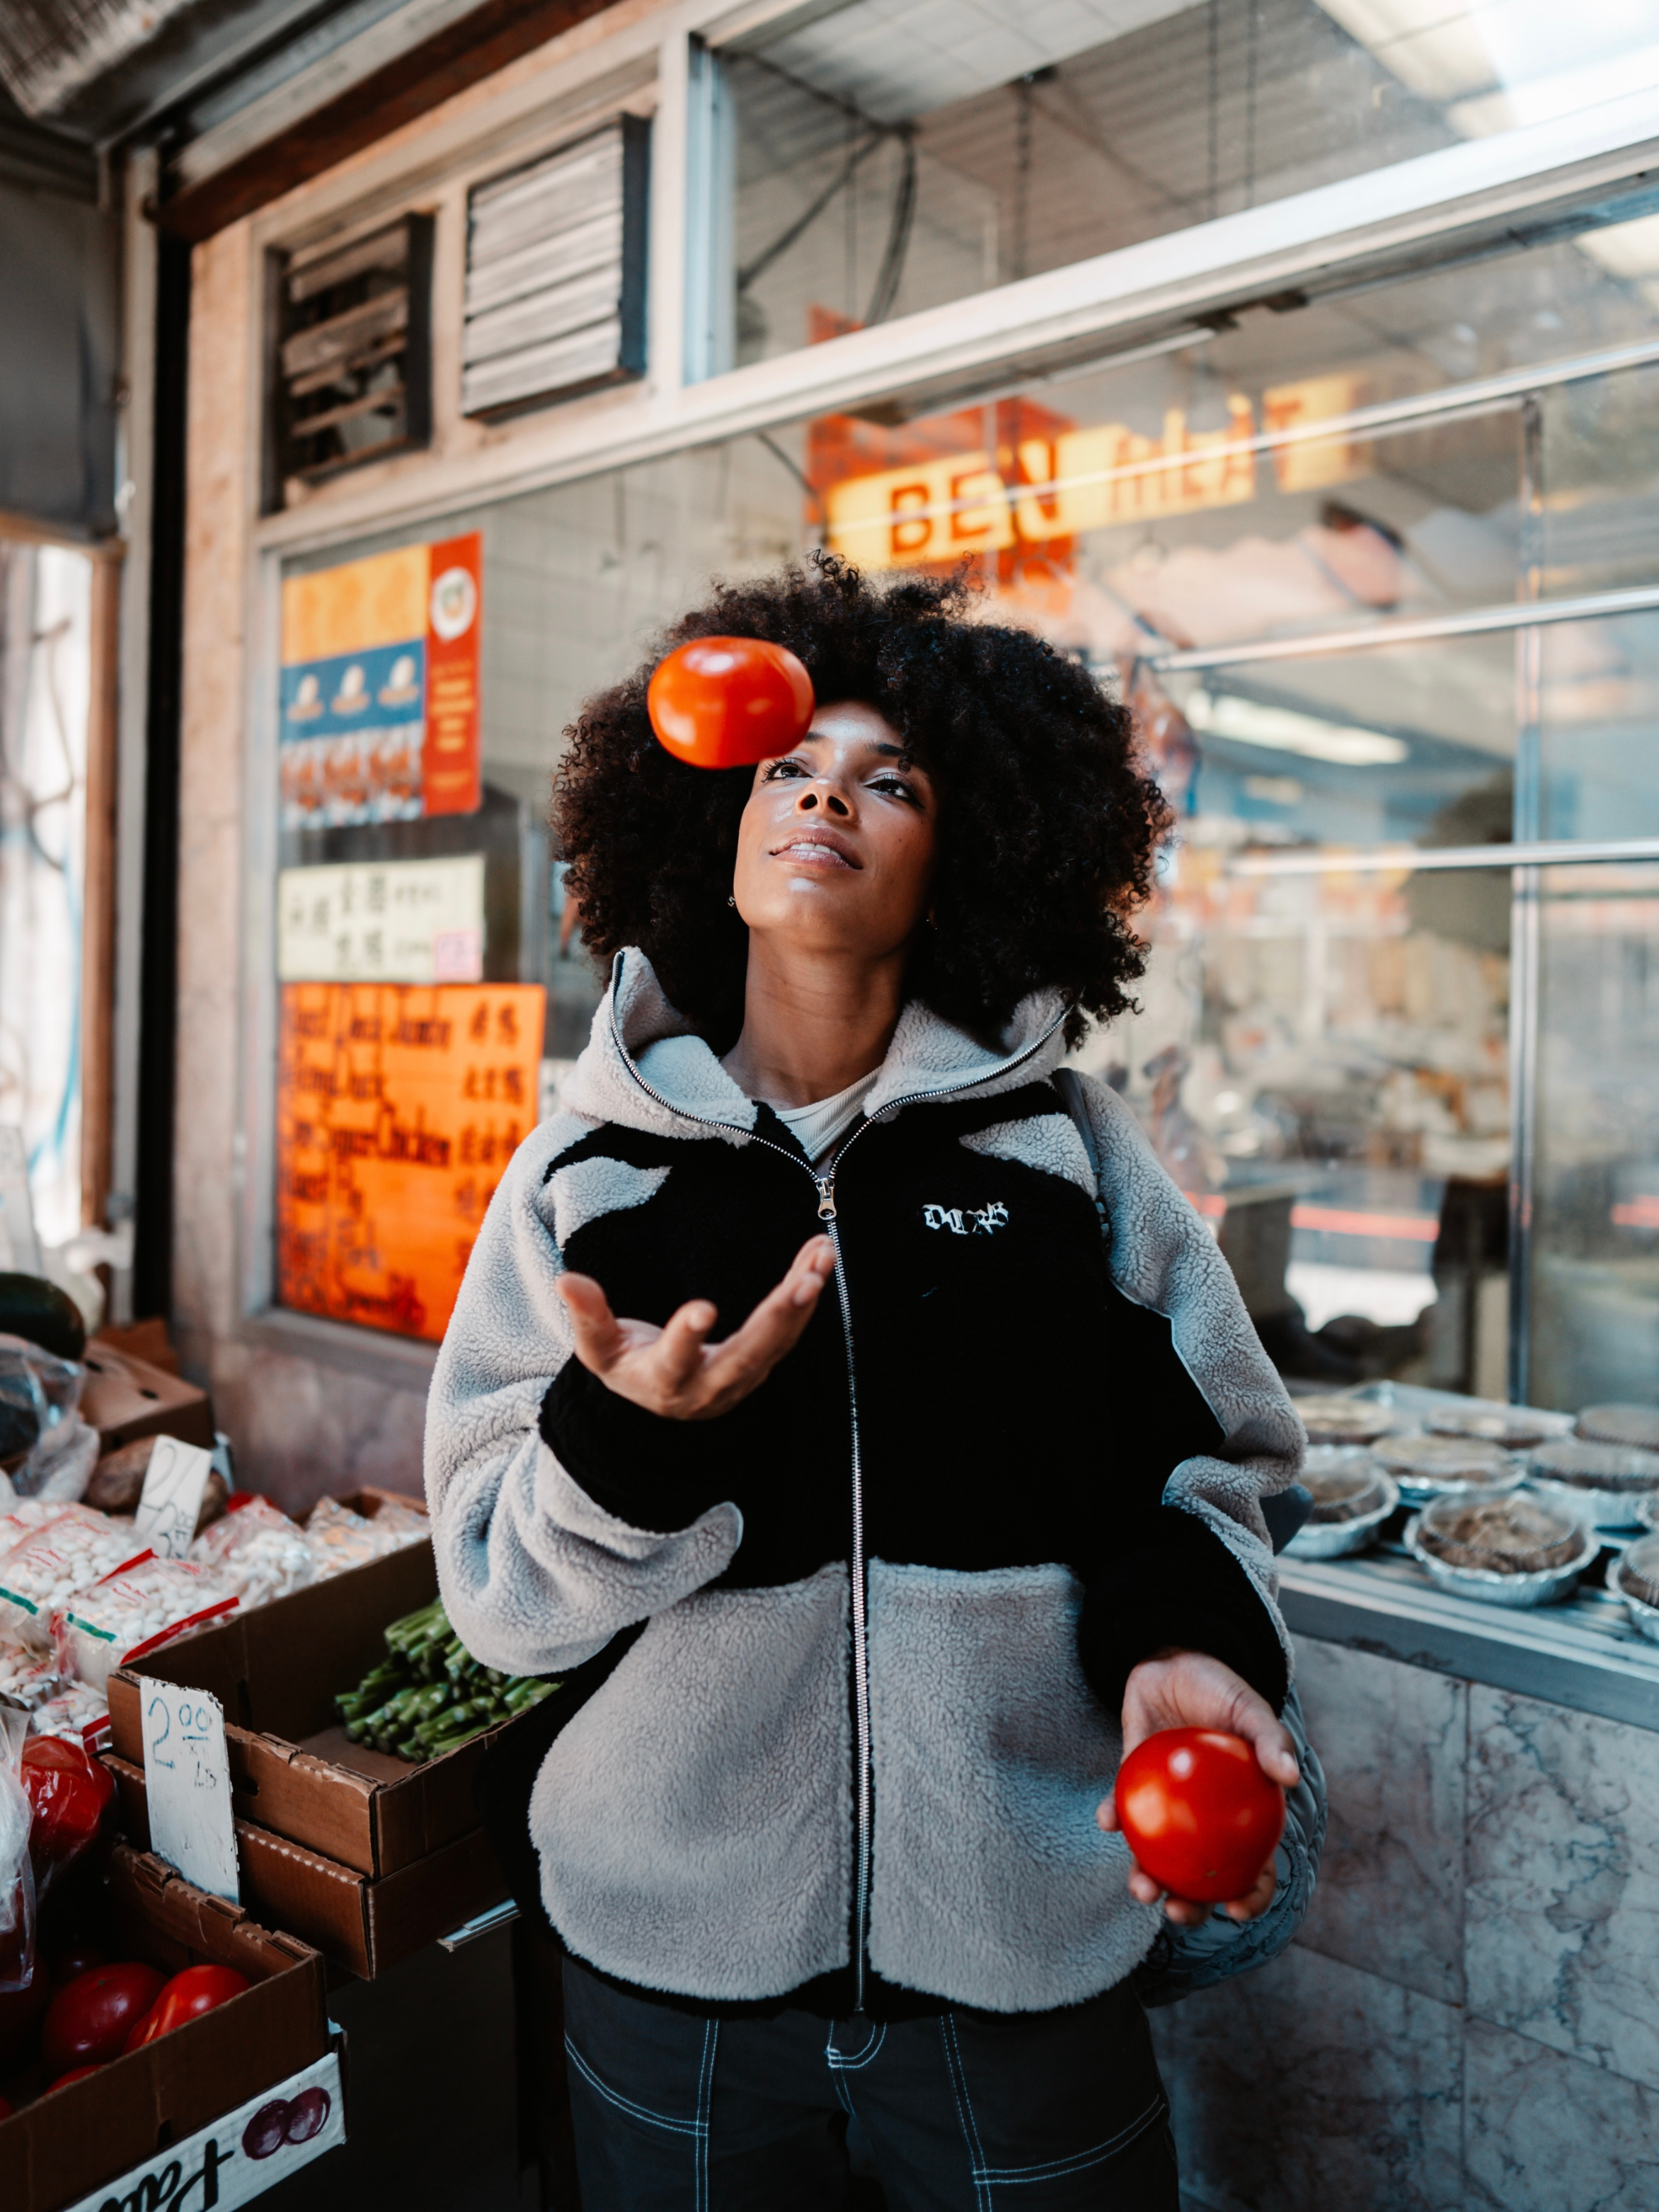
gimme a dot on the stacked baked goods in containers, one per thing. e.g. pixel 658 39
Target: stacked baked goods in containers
pixel 1507 1505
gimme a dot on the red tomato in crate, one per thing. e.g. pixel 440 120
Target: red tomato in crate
pixel 729 701
pixel 186 1996
pixel 1198 1813
pixel 75 2074
pixel 79 1958
pixel 69 1795
pixel 90 2020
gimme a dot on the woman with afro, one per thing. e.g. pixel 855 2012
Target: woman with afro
pixel 843 1406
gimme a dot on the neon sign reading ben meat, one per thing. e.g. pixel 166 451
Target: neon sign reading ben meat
pixel 1072 481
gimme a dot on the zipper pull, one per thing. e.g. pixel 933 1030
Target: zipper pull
pixel 826 1197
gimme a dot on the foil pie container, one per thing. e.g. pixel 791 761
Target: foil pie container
pixel 1621 1425
pixel 1524 1587
pixel 1513 1429
pixel 1427 1468
pixel 1634 1576
pixel 1352 1497
pixel 1330 1418
pixel 1611 1482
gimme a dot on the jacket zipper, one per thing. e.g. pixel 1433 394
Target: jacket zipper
pixel 825 1185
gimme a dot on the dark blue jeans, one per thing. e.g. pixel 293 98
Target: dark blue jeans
pixel 972 2112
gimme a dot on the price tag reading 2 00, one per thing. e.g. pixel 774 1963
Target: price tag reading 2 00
pixel 187 1784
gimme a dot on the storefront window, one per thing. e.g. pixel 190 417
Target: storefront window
pixel 892 154
pixel 1594 1324
pixel 1317 611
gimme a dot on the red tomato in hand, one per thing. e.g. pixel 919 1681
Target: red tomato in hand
pixel 730 701
pixel 1198 1813
pixel 186 1996
pixel 90 2018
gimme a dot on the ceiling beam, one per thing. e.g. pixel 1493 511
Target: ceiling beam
pixel 357 95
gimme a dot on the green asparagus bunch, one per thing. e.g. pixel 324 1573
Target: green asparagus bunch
pixel 429 1695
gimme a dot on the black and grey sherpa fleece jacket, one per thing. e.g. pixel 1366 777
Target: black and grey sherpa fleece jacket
pixel 891 1598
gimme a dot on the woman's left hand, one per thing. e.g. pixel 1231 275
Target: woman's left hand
pixel 1188 1689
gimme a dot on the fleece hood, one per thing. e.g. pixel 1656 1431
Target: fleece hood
pixel 644 1067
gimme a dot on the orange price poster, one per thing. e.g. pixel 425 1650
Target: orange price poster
pixel 397 1109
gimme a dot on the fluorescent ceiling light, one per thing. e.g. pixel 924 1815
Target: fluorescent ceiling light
pixel 1284 730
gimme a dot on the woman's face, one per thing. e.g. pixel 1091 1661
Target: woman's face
pixel 836 847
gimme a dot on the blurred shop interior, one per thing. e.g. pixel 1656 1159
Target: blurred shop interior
pixel 1371 550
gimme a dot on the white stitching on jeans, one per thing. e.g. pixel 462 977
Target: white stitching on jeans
pixel 705 2106
pixel 1056 2169
pixel 626 2105
pixel 953 2066
pixel 872 2050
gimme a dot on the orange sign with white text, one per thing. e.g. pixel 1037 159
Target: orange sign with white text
pixel 397 1109
pixel 1048 482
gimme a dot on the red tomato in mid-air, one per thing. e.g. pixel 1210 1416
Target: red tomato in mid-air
pixel 730 701
pixel 186 1996
pixel 90 2018
pixel 1198 1813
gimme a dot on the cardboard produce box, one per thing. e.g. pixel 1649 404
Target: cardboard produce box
pixel 277 1671
pixel 70 2144
pixel 124 1398
pixel 355 1921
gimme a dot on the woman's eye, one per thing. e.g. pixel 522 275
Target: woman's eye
pixel 896 788
pixel 784 768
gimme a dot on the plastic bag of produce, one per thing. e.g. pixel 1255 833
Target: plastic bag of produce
pixel 132 1613
pixel 27 1677
pixel 340 1538
pixel 42 1437
pixel 68 1554
pixel 76 1709
pixel 257 1552
pixel 18 1964
pixel 69 1792
pixel 22 1518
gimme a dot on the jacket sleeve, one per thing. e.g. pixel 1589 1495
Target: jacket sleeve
pixel 536 1577
pixel 1196 1571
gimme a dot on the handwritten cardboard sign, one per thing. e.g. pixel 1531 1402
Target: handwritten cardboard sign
pixel 187 1784
pixel 240 2156
pixel 397 1109
pixel 172 1497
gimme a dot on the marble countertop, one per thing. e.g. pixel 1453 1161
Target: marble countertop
pixel 1583 1654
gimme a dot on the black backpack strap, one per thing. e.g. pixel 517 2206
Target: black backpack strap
pixel 1069 1084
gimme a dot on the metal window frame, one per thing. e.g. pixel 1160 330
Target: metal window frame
pixel 1518 189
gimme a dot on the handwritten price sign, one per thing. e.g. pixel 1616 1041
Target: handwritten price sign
pixel 187 1783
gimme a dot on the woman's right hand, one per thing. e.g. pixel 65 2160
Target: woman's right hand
pixel 675 1370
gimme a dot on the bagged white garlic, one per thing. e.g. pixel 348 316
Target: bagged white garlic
pixel 257 1552
pixel 66 1554
pixel 131 1614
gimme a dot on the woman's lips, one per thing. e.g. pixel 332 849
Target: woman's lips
pixel 815 852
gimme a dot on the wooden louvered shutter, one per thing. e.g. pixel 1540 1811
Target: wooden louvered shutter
pixel 350 355
pixel 556 273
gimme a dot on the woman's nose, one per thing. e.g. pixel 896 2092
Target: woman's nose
pixel 832 801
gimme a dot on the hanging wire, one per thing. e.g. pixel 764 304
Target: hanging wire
pixel 768 254
pixel 891 271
